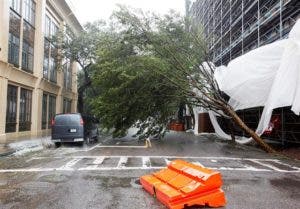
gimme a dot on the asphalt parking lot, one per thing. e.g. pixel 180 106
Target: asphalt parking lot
pixel 105 174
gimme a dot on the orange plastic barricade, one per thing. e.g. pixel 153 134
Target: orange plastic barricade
pixel 185 184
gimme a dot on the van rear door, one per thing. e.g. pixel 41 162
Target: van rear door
pixel 67 126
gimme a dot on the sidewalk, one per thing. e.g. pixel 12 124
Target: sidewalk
pixel 24 145
pixel 5 150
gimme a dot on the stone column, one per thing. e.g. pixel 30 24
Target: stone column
pixel 4 25
pixel 37 93
pixel 3 103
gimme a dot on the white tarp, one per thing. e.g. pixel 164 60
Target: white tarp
pixel 268 76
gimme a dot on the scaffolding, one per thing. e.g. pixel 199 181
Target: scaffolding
pixel 234 27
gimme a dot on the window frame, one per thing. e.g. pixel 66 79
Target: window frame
pixel 44 121
pixel 11 109
pixel 25 109
pixel 50 59
pixel 51 108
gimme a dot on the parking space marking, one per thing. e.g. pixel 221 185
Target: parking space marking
pixel 122 162
pixel 68 165
pixel 98 161
pixel 144 163
pixel 121 146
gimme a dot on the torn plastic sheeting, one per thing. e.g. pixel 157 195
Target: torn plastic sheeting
pixel 268 76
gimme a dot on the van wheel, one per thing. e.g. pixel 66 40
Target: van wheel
pixel 57 144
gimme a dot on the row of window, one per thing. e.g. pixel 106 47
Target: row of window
pixel 18 95
pixel 25 14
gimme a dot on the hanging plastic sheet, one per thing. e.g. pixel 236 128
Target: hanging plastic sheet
pixel 268 76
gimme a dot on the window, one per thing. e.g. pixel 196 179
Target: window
pixel 47 27
pixel 25 110
pixel 46 58
pixel 28 44
pixel 15 20
pixel 13 49
pixel 11 109
pixel 52 109
pixel 29 11
pixel 68 75
pixel 53 63
pixel 15 5
pixel 50 50
pixel 48 109
pixel 14 38
pixel 67 103
pixel 44 111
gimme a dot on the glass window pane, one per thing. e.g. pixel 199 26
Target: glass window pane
pixel 28 44
pixel 44 111
pixel 52 109
pixel 11 109
pixel 47 27
pixel 15 5
pixel 14 40
pixel 25 110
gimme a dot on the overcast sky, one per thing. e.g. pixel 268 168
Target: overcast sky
pixel 91 10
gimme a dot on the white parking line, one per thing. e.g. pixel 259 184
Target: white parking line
pixel 121 146
pixel 69 165
pixel 146 162
pixel 122 162
pixel 263 163
pixel 260 165
pixel 98 161
pixel 159 156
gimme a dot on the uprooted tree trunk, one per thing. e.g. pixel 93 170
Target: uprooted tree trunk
pixel 252 133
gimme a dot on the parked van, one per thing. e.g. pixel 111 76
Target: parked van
pixel 67 128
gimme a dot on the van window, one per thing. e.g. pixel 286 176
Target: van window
pixel 68 119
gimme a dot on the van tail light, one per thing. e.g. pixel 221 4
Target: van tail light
pixel 52 122
pixel 81 122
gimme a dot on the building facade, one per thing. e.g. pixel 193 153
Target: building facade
pixel 234 27
pixel 34 83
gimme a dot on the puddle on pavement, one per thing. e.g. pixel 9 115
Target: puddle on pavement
pixel 114 182
pixel 135 183
pixel 111 182
pixel 289 186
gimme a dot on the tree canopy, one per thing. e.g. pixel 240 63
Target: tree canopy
pixel 131 77
pixel 146 66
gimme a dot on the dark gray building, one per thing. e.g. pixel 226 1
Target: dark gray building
pixel 234 27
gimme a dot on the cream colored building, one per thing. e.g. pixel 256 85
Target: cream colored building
pixel 32 87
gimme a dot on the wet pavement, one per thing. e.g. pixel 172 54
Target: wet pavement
pixel 104 175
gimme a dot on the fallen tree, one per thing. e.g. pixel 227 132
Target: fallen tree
pixel 178 58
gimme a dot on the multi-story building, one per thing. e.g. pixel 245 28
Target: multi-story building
pixel 34 83
pixel 234 27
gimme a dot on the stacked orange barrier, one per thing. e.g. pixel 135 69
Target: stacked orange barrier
pixel 185 184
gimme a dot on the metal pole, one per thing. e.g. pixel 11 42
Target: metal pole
pixel 258 23
pixel 242 26
pixel 282 127
pixel 281 4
